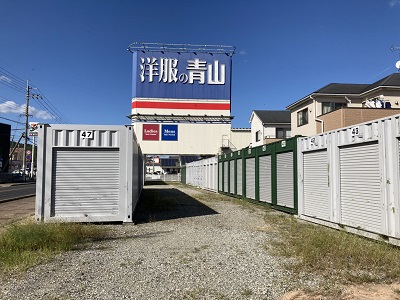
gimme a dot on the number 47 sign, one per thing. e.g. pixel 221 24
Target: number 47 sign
pixel 86 134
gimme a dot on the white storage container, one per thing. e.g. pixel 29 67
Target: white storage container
pixel 86 173
pixel 349 178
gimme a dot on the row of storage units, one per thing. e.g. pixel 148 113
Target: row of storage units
pixel 346 179
pixel 349 178
pixel 202 173
pixel 267 173
pixel 87 173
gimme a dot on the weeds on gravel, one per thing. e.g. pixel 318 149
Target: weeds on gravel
pixel 24 245
pixel 201 293
pixel 246 292
pixel 336 255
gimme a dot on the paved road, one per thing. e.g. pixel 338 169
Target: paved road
pixel 16 191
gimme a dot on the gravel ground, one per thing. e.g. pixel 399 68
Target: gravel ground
pixel 211 249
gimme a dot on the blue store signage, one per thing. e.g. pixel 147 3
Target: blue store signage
pixel 181 75
pixel 169 133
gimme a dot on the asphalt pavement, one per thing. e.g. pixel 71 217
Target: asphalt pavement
pixel 15 191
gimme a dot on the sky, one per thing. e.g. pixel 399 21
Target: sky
pixel 74 52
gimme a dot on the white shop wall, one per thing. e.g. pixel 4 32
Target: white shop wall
pixel 193 139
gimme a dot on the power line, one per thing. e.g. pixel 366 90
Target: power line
pixel 9 103
pixel 14 77
pixel 12 81
pixel 53 108
pixel 12 86
pixel 12 120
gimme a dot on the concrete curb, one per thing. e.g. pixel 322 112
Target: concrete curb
pixel 17 198
pixel 8 184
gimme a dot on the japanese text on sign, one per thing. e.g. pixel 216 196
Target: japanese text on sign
pixel 166 70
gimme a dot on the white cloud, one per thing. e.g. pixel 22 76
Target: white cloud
pixel 5 78
pixel 243 52
pixel 394 3
pixel 12 107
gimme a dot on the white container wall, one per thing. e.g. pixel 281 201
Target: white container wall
pixel 203 173
pixel 87 173
pixel 349 178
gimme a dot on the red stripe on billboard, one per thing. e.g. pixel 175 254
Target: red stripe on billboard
pixel 181 105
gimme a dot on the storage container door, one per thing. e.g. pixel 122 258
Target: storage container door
pixel 208 180
pixel 316 200
pixel 239 188
pixel 226 176
pixel 284 172
pixel 214 177
pixel 232 176
pixel 220 187
pixel 251 178
pixel 85 182
pixel 360 187
pixel 265 179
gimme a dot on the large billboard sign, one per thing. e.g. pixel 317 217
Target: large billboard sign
pixel 181 75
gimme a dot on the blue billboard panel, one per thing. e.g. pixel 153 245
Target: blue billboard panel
pixel 169 133
pixel 186 75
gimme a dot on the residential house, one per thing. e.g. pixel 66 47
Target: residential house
pixel 268 126
pixel 339 105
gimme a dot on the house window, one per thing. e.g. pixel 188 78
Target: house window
pixel 282 133
pixel 331 106
pixel 258 136
pixel 302 117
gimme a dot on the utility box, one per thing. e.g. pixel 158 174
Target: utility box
pixel 87 173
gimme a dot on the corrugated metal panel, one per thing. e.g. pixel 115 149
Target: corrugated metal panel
pixel 239 177
pixel 251 178
pixel 232 176
pixel 72 138
pixel 265 179
pixel 85 182
pixel 285 189
pixel 360 187
pixel 316 200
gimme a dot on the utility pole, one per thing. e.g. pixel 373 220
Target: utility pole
pixel 28 88
pixel 28 96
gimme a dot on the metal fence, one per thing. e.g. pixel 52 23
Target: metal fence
pixel 163 177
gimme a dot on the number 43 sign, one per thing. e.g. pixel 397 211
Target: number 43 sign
pixel 86 134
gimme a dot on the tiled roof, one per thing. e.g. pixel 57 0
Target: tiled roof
pixel 352 89
pixel 342 88
pixel 273 116
pixel 391 80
